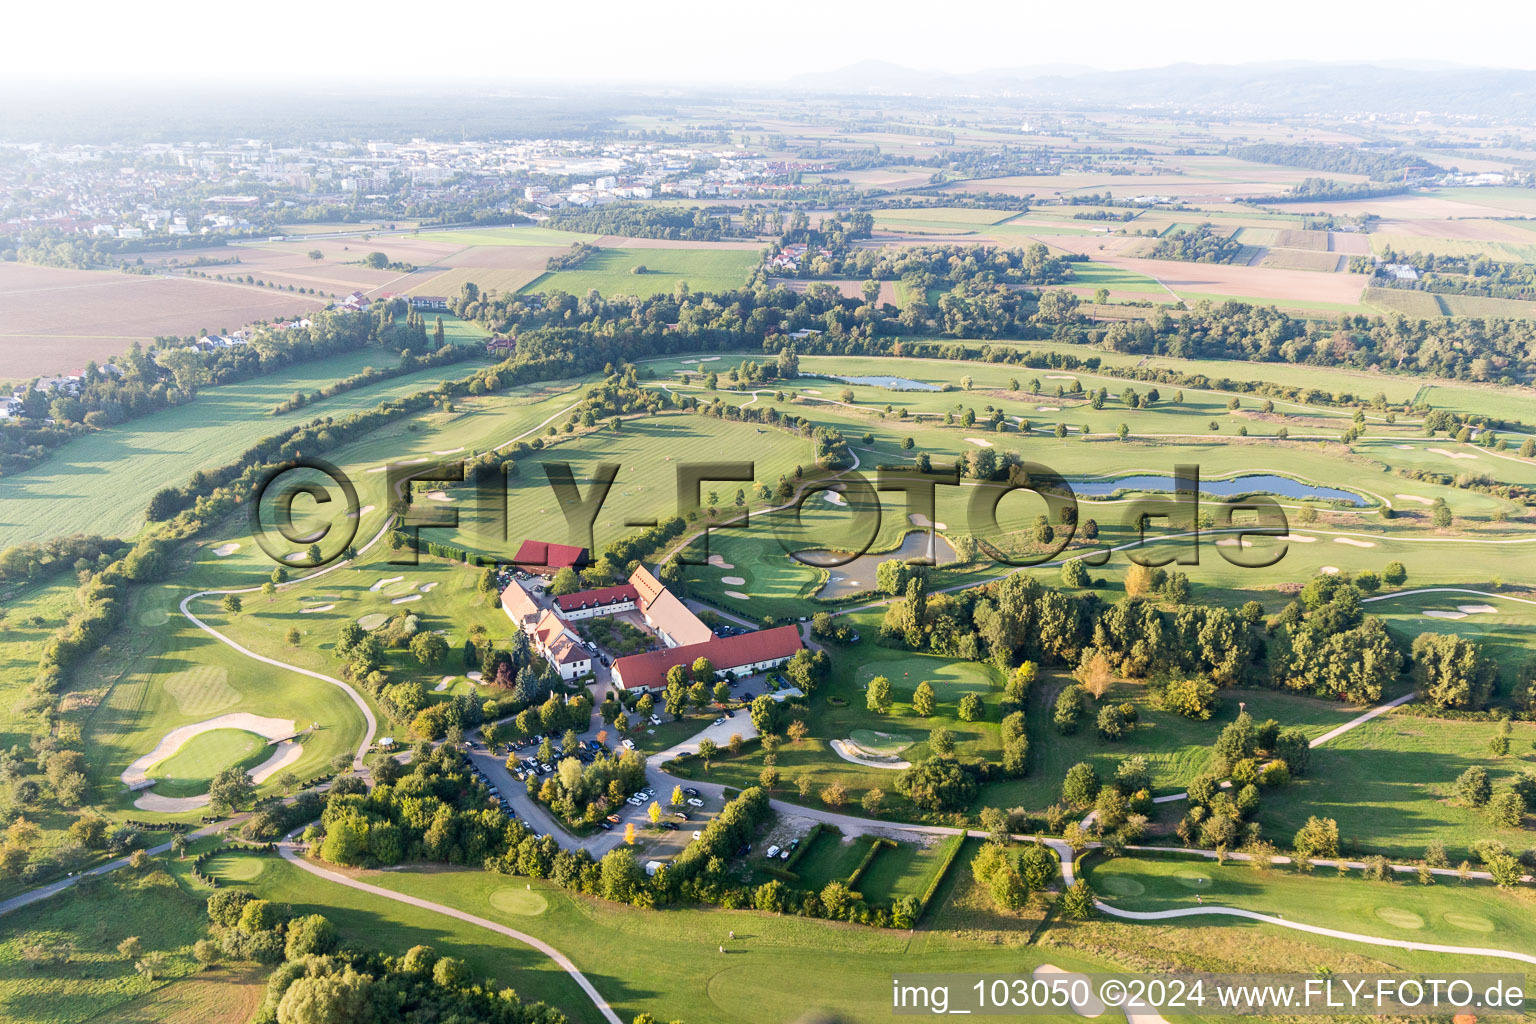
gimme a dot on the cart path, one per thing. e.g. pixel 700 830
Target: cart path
pixel 560 959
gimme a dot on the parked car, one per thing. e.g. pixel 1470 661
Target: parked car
pixel 784 855
pixel 655 719
pixel 720 721
pixel 670 826
pixel 694 801
pixel 629 744
pixel 613 818
pixel 773 851
pixel 606 826
pixel 690 791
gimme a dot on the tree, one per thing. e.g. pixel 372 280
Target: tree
pixel 971 708
pixel 768 778
pixel 941 741
pixel 1319 837
pixel 629 833
pixel 1080 785
pixel 293 636
pixel 131 948
pixel 1068 712
pixel 1394 574
pixel 230 790
pixel 923 700
pixel 938 784
pixel 1452 671
pixel 1473 787
pixel 1078 901
pixel 877 695
pixel 873 801
pixel 1440 515
pixel 231 603
pixel 1507 809
pixel 1074 574
pixel 429 648
pixel 565 582
pixel 1095 672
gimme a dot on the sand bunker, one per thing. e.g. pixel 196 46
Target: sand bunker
pixel 294 556
pixel 1047 408
pixel 283 755
pixel 1059 376
pixel 1413 497
pixel 373 620
pixel 834 497
pixel 1297 538
pixel 720 563
pixel 1437 614
pixel 360 512
pixel 1329 570
pixel 135 776
pixel 852 752
pixel 1354 543
pixel 426 588
pixel 225 550
pixel 316 608
pixel 980 442
pixel 437 496
pixel 738 595
pixel 918 519
pixel 476 675
pixel 443 683
pixel 1406 448
pixel 705 359
pixel 1450 454
pixel 386 581
pixel 449 451
pixel 809 391
pixel 1081 996
pixel 411 462
pixel 734 581
pixel 407 599
pixel 1477 609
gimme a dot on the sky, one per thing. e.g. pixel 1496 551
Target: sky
pixel 689 42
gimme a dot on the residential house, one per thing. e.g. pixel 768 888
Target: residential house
pixel 587 604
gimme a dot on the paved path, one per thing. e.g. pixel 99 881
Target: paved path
pixel 1362 719
pixel 564 962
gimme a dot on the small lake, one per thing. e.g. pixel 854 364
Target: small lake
pixel 1256 483
pixel 858 575
pixel 892 383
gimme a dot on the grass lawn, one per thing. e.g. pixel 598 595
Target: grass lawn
pixel 1450 912
pixel 32 613
pixel 89 921
pixel 778 968
pixel 191 768
pixel 1390 784
pixel 905 870
pixel 1176 748
pixel 832 858
pixel 1517 405
pixel 1507 633
pixel 610 272
pixel 100 483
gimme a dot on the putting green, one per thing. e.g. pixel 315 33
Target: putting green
pixel 189 771
pixel 1192 879
pixel 154 617
pixel 522 902
pixel 1119 885
pixel 1467 922
pixel 874 742
pixel 1397 917
pixel 373 620
pixel 236 867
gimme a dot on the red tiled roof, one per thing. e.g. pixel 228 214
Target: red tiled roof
pixel 536 555
pixel 666 612
pixel 520 608
pixel 600 596
pixel 724 653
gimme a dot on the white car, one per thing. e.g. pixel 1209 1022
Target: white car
pixel 773 851
pixel 694 801
pixel 655 719
pixel 629 744
pixel 720 721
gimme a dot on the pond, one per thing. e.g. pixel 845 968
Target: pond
pixel 893 383
pixel 858 576
pixel 1253 483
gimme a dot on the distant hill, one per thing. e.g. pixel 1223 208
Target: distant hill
pixel 1288 87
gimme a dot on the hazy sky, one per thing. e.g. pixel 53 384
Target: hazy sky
pixel 728 40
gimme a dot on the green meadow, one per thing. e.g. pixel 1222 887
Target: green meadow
pixel 612 272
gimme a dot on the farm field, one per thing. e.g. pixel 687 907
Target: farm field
pixel 1484 306
pixel 56 320
pixel 1319 260
pixel 101 483
pixel 1511 404
pixel 610 272
pixel 1423 305
pixel 1509 252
